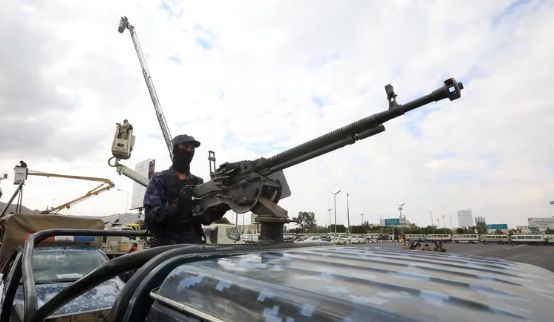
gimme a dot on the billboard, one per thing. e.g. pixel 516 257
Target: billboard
pixel 541 224
pixel 497 226
pixel 390 222
pixel 145 168
pixel 465 218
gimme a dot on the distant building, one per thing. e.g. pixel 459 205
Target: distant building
pixel 541 224
pixel 465 218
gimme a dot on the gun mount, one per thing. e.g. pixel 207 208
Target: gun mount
pixel 258 185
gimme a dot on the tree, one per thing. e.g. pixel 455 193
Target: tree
pixel 340 228
pixel 459 230
pixel 498 232
pixel 223 220
pixel 358 229
pixel 549 231
pixel 306 220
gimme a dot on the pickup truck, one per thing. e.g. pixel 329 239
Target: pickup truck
pixel 286 281
pixel 56 265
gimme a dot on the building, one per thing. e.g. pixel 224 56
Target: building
pixel 465 218
pixel 541 224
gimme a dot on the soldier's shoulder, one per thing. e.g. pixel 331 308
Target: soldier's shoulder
pixel 157 179
pixel 196 179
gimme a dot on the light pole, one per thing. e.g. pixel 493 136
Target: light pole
pixel 127 202
pixel 400 209
pixel 348 212
pixel 451 227
pixel 329 210
pixel 335 201
pixel 551 202
pixel 444 224
pixel 432 225
pixel 52 205
pixel 362 218
pixel 380 226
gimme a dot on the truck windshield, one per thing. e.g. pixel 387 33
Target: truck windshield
pixel 65 264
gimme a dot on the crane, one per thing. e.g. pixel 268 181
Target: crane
pixel 21 173
pixel 124 24
pixel 122 146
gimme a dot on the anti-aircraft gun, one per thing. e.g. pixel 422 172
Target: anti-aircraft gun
pixel 258 185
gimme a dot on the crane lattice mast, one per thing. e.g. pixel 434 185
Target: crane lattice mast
pixel 124 24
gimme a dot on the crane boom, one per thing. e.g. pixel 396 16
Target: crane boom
pixel 106 185
pixel 124 24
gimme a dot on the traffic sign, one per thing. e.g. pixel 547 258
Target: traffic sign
pixel 392 222
pixel 497 226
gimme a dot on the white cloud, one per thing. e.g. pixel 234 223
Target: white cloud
pixel 269 59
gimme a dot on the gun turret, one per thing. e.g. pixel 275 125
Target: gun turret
pixel 258 185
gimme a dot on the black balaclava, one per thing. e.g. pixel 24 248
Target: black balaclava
pixel 181 159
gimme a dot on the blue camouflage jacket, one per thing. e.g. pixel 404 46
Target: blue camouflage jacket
pixel 157 214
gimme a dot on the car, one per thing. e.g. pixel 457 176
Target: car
pixel 57 262
pixel 57 266
pixel 310 239
pixel 284 281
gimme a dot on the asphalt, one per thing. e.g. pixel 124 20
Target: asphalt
pixel 542 256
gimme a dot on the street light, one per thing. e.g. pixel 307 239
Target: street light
pixel 329 210
pixel 335 201
pixel 380 226
pixel 432 225
pixel 362 218
pixel 127 202
pixel 444 224
pixel 400 209
pixel 348 211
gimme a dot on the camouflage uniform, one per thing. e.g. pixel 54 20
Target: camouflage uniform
pixel 169 226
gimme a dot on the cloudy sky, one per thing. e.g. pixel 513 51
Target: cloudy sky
pixel 253 78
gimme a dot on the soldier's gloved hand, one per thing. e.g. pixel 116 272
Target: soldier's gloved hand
pixel 185 195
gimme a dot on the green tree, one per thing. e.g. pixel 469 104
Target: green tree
pixel 306 220
pixel 340 228
pixel 358 229
pixel 223 220
pixel 319 230
pixel 459 230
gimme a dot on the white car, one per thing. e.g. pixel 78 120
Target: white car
pixel 309 239
pixel 360 240
pixel 354 240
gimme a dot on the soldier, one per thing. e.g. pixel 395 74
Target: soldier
pixel 124 129
pixel 168 214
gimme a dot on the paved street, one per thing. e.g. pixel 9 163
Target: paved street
pixel 542 256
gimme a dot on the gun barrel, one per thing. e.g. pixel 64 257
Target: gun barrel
pixel 358 130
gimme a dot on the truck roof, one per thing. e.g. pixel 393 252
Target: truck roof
pixel 353 283
pixel 14 228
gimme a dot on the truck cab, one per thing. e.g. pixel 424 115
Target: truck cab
pixel 57 262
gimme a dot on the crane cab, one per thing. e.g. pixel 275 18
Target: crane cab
pixel 123 142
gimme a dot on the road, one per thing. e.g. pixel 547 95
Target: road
pixel 542 256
